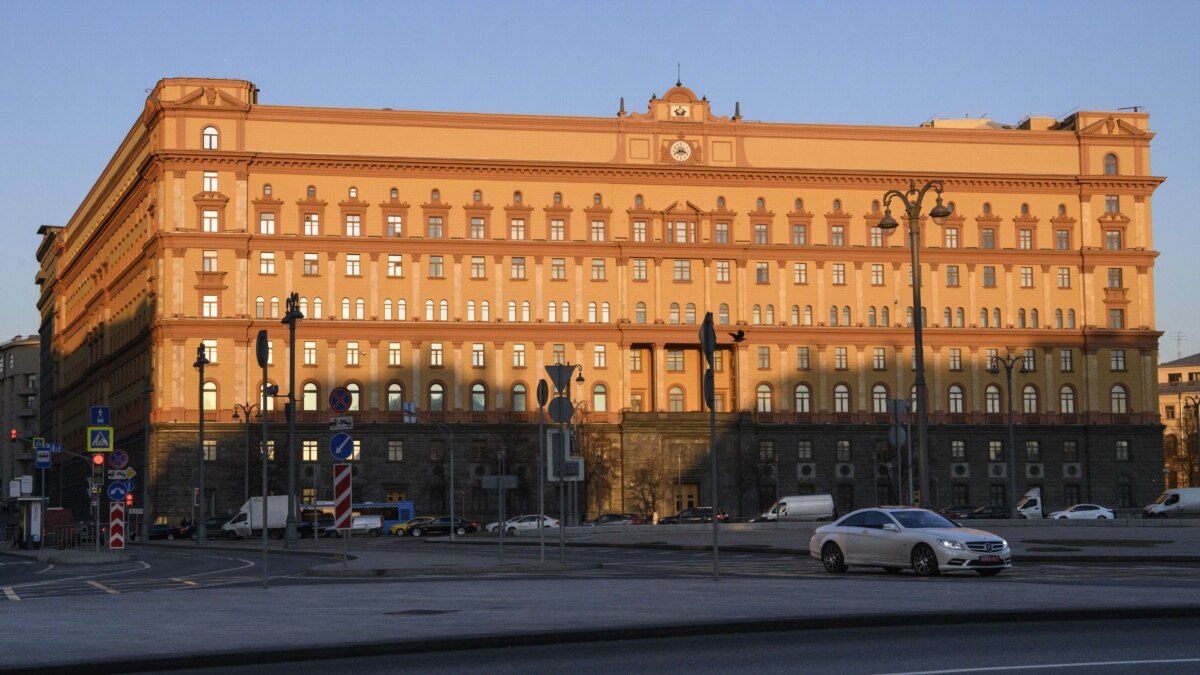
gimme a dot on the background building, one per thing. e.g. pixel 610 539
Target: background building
pixel 1178 405
pixel 446 258
pixel 18 411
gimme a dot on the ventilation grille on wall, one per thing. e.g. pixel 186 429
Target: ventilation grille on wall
pixel 806 471
pixel 1035 470
pixel 997 470
pixel 960 470
pixel 844 471
pixel 1072 470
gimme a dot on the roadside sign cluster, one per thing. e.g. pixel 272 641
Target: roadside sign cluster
pixel 99 431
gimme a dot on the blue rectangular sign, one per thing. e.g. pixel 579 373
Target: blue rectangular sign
pixel 43 459
pixel 99 416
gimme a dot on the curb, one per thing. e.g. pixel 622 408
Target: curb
pixel 449 571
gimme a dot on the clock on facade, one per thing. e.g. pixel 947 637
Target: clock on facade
pixel 681 151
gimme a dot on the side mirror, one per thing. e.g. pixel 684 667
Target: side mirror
pixel 890 527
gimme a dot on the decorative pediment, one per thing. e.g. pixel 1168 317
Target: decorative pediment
pixel 1111 126
pixel 210 97
pixel 685 207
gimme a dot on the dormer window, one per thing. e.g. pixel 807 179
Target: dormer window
pixel 760 203
pixel 516 197
pixel 266 189
pixel 637 200
pixel 311 192
pixel 597 200
pixel 394 194
pixel 720 202
pixel 212 138
pixel 557 198
pixel 353 193
pixel 477 196
pixel 435 195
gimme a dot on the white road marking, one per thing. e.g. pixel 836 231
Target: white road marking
pixel 142 565
pixel 1047 666
pixel 10 594
pixel 48 568
pixel 104 588
pixel 184 581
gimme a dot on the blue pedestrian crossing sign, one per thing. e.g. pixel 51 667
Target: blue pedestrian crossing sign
pixel 99 439
pixel 99 416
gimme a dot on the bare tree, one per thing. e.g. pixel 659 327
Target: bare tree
pixel 649 485
pixel 599 461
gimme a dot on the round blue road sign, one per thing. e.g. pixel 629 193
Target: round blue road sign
pixel 116 491
pixel 339 399
pixel 341 446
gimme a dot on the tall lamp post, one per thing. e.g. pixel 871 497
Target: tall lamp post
pixel 147 391
pixel 246 409
pixel 1192 403
pixel 290 318
pixel 201 535
pixel 1008 361
pixel 911 200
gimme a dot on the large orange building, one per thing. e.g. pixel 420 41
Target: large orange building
pixel 445 259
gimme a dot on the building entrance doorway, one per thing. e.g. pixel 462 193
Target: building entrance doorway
pixel 686 496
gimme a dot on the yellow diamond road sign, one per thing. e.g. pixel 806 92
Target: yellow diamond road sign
pixel 99 439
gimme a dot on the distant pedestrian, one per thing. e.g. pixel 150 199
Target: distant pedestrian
pixel 654 517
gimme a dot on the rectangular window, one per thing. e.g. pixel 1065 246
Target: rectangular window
pixel 210 450
pixel 1116 318
pixel 435 354
pixel 879 358
pixel 989 276
pixel 518 355
pixel 722 267
pixel 395 225
pixel 951 237
pixel 842 450
pixel 764 358
pixel 599 356
pixel 434 228
pixel 876 275
pixel 1070 452
pixel 1026 277
pixel 639 269
pixel 955 359
pixel 1025 240
pixel 477 358
pixel 558 229
pixel 1122 448
pixel 516 229
pixel 599 272
pixel 352 353
pixel 876 236
pixel 598 230
pixel 308 449
pixel 1114 278
pixel 675 360
pixel 310 352
pixel 478 267
pixel 517 268
pixel 719 362
pixel 478 229
pixel 802 358
pixel 210 350
pixel 435 267
pixel 210 182
pixel 558 354
pixel 1065 361
pixel 762 273
pixel 840 361
pixel 804 450
pixel 1033 451
pixel 1030 359
pixel 800 273
pixel 635 360
pixel 639 230
pixel 1112 240
pixel 208 305
pixel 208 261
pixel 356 453
pixel 312 266
pixel 951 276
pixel 1062 240
pixel 395 265
pixel 760 233
pixel 987 238
pixel 266 223
pixel 1116 361
pixel 395 450
pixel 839 274
pixel 1064 277
pixel 353 265
pixel 394 354
pixel 837 235
pixel 682 270
pixel 312 224
pixel 799 234
pixel 1112 204
pixel 996 451
pixel 558 268
pixel 211 221
pixel 958 450
pixel 353 225
pixel 721 234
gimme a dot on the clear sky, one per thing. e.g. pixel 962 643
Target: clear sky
pixel 74 77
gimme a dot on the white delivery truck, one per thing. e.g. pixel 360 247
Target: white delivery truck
pixel 249 518
pixel 1030 505
pixel 801 507
pixel 1175 503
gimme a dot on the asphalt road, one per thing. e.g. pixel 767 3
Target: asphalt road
pixel 1163 647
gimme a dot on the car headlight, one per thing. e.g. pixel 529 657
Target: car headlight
pixel 1004 543
pixel 949 543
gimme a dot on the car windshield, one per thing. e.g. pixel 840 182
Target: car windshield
pixel 920 519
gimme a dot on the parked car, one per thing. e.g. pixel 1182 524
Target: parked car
pixel 696 514
pixel 895 538
pixel 991 513
pixel 401 529
pixel 1176 503
pixel 528 523
pixel 212 528
pixel 606 519
pixel 1084 512
pixel 442 526
pixel 369 525
pixel 163 531
pixel 958 512
pixel 305 527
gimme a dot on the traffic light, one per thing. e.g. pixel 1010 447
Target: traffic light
pixel 128 499
pixel 97 459
pixel 12 434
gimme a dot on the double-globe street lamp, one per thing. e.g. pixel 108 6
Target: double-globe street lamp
pixel 1008 361
pixel 911 200
pixel 1192 403
pixel 201 535
pixel 246 409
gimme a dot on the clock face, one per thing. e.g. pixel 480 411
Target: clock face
pixel 681 151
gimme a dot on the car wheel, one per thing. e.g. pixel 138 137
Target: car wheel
pixel 832 558
pixel 231 535
pixel 460 530
pixel 989 573
pixel 274 534
pixel 170 535
pixel 416 531
pixel 375 533
pixel 1102 518
pixel 924 561
pixel 892 570
pixel 399 533
pixel 510 531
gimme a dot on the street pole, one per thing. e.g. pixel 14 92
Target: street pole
pixel 1192 402
pixel 261 351
pixel 543 394
pixel 1008 361
pixel 708 347
pixel 290 318
pixel 201 535
pixel 147 391
pixel 246 409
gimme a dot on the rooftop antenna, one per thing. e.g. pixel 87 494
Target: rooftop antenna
pixel 1180 338
pixel 1134 108
pixel 678 75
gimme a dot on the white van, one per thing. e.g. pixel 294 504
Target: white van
pixel 1030 505
pixel 1176 503
pixel 801 507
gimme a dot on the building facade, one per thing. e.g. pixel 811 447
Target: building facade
pixel 19 388
pixel 444 259
pixel 1178 406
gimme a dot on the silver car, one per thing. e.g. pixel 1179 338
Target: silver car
pixel 895 538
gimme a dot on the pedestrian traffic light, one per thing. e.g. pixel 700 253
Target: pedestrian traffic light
pixel 97 459
pixel 129 499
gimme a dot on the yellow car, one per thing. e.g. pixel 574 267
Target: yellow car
pixel 401 529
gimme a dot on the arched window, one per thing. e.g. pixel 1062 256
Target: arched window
pixel 991 397
pixel 512 311
pixel 879 398
pixel 360 309
pixel 525 311
pixel 316 308
pixel 1021 317
pixel 485 312
pixel 846 315
pixel 756 315
pixel 304 306
pixel 841 399
pixel 212 138
pixel 675 399
pixel 946 314
pixel 803 398
pixel 394 193
pixel 908 316
pixel 591 312
pixel 599 398
pixel 983 317
pixel 1119 397
pixel 557 197
pixel 996 316
pixel 566 312
pixel 387 309
pixel 760 203
pixel 799 204
pixel 352 193
pixel 395 397
pixel 345 309
pixel 478 397
pixel 1024 209
pixel 689 313
pixel 987 208
pixel 808 317
pixel 308 400
pixel 470 310
pixel 274 308
pixel 311 192
pixel 260 307
pixel 720 202
pixel 1029 396
pixel 833 315
pixel 955 399
pixel 884 320
pixel 1062 209
pixel 1066 400
pixel 517 197
pixel 444 310
pixel 762 397
pixel 837 205
pixel 960 317
pixel 210 395
pixel 1058 319
pixel 266 189
pixel 723 314
pixel 874 206
pixel 401 309
pixel 477 196
pixel 1033 318
pixel 639 313
pixel 355 399
pixel 1110 164
pixel 871 316
pixel 520 398
pixel 673 313
pixel 429 311
pixel 435 195
pixel 437 397
pixel 269 400
pixel 1070 319
pixel 552 311
pixel 605 312
pixel 597 199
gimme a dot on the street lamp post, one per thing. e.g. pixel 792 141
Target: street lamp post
pixel 911 199
pixel 201 535
pixel 147 391
pixel 1008 361
pixel 246 409
pixel 1193 403
pixel 290 318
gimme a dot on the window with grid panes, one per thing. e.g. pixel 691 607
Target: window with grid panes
pixel 839 274
pixel 478 267
pixel 675 360
pixel 764 357
pixel 639 269
pixel 639 230
pixel 395 451
pixel 353 265
pixel 558 354
pixel 517 268
pixel 987 238
pixel 558 268
pixel 434 228
pixel 1029 356
pixel 599 272
pixel 1062 240
pixel 393 353
pixel 876 236
pixel 558 229
pixel 958 450
pixel 518 355
pixel 309 450
pixel 804 450
pixel 477 358
pixel 682 270
pixel 395 266
pixel 802 358
pixel 208 261
pixel 951 237
pixel 1065 360
pixel 800 273
pixel 1112 240
pixel 989 276
pixel 837 235
pixel 762 272
pixel 1115 277
pixel 516 229
pixel 1033 451
pixel 952 275
pixel 477 230
pixel 635 360
pixel 996 451
pixel 843 450
pixel 599 356
pixel 435 353
pixel 876 274
pixel 955 359
pixel 1122 451
pixel 1116 360
pixel 1025 240
pixel 840 361
pixel 266 223
pixel 1064 277
pixel 395 225
pixel 597 230
pixel 312 224
pixel 721 233
pixel 353 225
pixel 210 181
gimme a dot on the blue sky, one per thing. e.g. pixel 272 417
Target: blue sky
pixel 74 77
